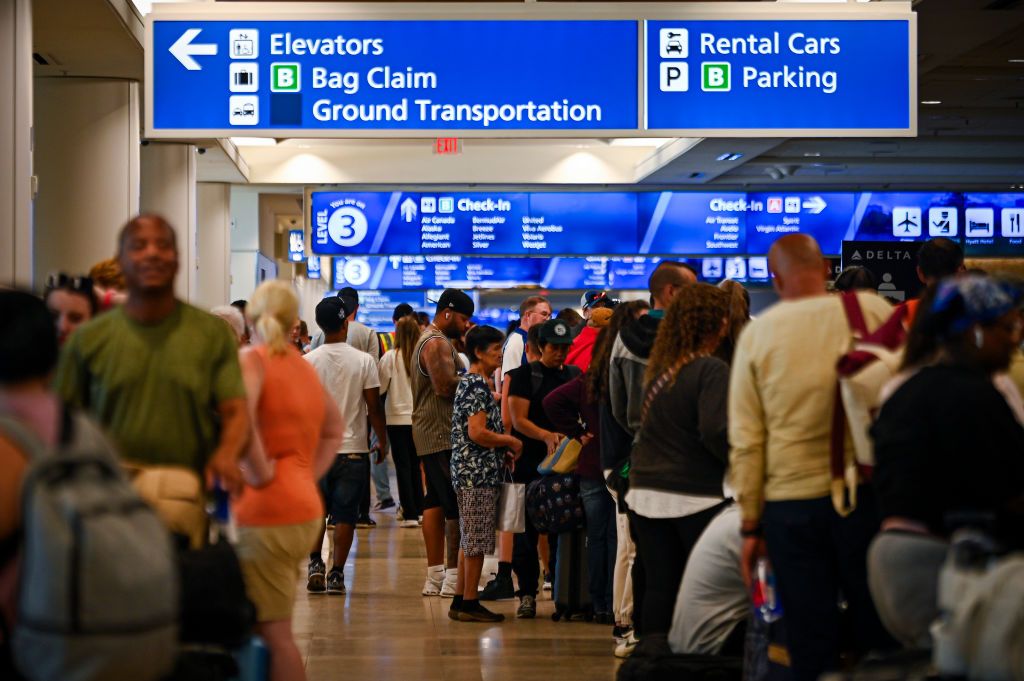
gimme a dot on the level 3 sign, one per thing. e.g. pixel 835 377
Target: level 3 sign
pixel 771 77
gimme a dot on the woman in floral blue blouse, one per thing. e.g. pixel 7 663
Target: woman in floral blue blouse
pixel 479 450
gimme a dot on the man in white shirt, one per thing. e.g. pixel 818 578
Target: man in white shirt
pixel 361 337
pixel 350 376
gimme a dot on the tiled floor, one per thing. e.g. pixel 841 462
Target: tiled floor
pixel 383 629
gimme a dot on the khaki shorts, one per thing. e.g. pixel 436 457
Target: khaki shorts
pixel 270 558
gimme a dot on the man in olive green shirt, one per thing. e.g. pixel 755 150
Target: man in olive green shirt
pixel 161 376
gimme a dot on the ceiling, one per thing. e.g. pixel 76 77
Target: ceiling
pixel 974 136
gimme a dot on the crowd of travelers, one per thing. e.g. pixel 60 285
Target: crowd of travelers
pixel 708 459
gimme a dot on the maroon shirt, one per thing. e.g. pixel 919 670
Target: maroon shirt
pixel 566 406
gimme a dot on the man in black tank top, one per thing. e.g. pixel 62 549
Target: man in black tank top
pixel 434 378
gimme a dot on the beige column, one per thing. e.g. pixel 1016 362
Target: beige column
pixel 16 143
pixel 168 187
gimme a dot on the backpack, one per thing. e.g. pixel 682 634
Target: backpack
pixel 98 593
pixel 872 361
pixel 980 631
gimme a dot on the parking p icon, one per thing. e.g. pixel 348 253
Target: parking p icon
pixel 674 76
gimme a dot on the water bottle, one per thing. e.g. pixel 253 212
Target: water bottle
pixel 766 601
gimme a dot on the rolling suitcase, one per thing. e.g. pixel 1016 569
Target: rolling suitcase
pixel 572 580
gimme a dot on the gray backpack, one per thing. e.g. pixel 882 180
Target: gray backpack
pixel 98 592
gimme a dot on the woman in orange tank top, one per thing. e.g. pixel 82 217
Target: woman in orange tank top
pixel 296 431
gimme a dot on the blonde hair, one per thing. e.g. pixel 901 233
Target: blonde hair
pixel 407 334
pixel 273 311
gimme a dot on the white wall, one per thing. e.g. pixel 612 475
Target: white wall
pixel 243 274
pixel 87 160
pixel 245 218
pixel 311 292
pixel 213 252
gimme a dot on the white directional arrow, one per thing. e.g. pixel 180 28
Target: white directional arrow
pixel 408 208
pixel 184 50
pixel 815 205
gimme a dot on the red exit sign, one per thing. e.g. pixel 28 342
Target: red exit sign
pixel 447 145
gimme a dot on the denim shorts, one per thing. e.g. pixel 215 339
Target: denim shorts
pixel 342 487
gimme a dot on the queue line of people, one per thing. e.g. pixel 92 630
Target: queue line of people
pixel 705 442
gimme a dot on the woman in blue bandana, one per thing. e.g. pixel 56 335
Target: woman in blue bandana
pixel 947 443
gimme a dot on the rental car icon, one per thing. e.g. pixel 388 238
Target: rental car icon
pixel 674 47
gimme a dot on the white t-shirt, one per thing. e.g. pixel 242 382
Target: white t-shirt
pixel 512 355
pixel 395 382
pixel 362 337
pixel 346 373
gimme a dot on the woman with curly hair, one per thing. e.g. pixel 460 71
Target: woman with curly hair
pixel 681 453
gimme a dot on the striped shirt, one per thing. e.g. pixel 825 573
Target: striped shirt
pixel 431 414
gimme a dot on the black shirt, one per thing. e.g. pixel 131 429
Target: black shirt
pixel 947 441
pixel 521 385
pixel 682 445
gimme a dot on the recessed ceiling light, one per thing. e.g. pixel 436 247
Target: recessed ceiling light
pixel 640 141
pixel 729 156
pixel 253 141
pixel 1016 61
pixel 931 101
pixel 812 154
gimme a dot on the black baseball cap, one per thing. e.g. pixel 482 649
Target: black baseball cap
pixel 351 298
pixel 330 309
pixel 401 310
pixel 457 301
pixel 556 331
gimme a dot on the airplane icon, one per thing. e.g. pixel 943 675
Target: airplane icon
pixel 906 222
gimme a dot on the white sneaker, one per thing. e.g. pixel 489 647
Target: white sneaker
pixel 435 580
pixel 451 575
pixel 625 649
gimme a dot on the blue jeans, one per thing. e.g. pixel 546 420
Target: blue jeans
pixel 816 555
pixel 599 508
pixel 379 473
pixel 342 488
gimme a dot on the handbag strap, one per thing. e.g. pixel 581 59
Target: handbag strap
pixel 654 390
pixel 844 492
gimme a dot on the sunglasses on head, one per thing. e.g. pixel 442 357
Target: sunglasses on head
pixel 60 280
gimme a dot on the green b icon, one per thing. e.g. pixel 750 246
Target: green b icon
pixel 284 78
pixel 715 77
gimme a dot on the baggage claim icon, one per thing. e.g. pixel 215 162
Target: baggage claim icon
pixel 347 226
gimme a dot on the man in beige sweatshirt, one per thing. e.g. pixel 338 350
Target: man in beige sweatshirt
pixel 781 397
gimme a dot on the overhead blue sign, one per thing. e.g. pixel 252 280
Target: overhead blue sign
pixel 313 267
pixel 418 272
pixel 994 224
pixel 832 218
pixel 296 245
pixel 792 74
pixel 692 222
pixel 436 271
pixel 304 76
pixel 477 223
